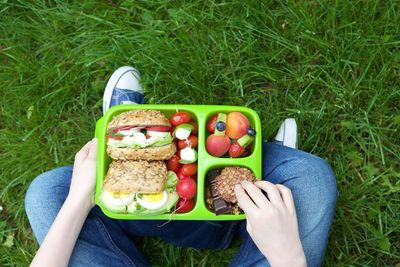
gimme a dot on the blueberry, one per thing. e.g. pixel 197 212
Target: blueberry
pixel 220 126
pixel 251 132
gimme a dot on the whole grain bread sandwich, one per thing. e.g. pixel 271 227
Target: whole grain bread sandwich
pixel 139 187
pixel 140 135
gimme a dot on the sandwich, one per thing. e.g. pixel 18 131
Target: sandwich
pixel 139 187
pixel 140 135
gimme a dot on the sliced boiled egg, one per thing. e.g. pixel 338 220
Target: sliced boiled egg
pixel 116 199
pixel 152 201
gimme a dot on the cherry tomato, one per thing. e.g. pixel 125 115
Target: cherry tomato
pixel 184 205
pixel 181 175
pixel 211 123
pixel 159 128
pixel 195 128
pixel 186 188
pixel 192 140
pixel 179 118
pixel 173 164
pixel 189 169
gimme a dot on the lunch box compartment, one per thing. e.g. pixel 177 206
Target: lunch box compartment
pixel 206 162
pixel 251 116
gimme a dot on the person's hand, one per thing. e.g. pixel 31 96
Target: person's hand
pixel 272 222
pixel 83 180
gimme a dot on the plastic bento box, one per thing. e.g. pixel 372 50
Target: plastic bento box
pixel 206 162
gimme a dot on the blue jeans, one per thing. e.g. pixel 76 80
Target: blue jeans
pixel 108 242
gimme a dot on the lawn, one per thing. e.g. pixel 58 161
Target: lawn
pixel 333 65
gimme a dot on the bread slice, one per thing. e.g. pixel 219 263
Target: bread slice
pixel 139 117
pixel 136 176
pixel 150 153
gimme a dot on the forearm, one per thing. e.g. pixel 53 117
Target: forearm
pixel 59 242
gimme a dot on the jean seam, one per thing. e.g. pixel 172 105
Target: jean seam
pixel 111 243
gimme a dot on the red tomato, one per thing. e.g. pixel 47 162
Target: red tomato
pixel 184 205
pixel 195 128
pixel 189 169
pixel 159 128
pixel 211 123
pixel 179 118
pixel 181 175
pixel 123 128
pixel 115 137
pixel 186 188
pixel 184 143
pixel 173 164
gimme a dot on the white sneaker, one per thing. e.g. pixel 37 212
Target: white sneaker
pixel 287 133
pixel 123 87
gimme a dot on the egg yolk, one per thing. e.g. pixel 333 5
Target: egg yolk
pixel 152 197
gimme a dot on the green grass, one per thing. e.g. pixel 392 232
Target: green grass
pixel 333 65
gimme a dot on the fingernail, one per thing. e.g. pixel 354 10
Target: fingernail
pixel 94 140
pixel 237 187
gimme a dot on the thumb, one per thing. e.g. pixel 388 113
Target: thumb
pixel 93 149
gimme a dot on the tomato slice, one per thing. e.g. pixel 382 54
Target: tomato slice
pixel 159 128
pixel 123 128
pixel 115 137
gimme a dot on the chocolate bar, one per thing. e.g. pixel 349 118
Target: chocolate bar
pixel 220 206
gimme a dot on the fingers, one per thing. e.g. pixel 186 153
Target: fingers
pixel 274 195
pixel 93 149
pixel 287 198
pixel 244 201
pixel 256 195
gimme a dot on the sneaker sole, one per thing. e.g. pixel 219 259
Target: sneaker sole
pixel 290 126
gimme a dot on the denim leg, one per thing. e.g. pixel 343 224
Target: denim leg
pixel 101 241
pixel 313 186
pixel 194 234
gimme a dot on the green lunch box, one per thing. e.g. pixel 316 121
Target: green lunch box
pixel 205 163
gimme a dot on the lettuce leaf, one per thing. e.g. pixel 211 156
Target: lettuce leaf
pixel 163 141
pixel 172 179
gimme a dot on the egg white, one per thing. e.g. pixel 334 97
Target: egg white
pixel 114 199
pixel 153 205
